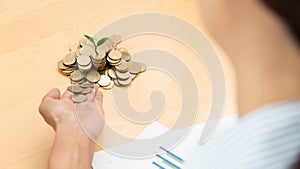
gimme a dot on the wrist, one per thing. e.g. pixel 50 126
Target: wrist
pixel 72 147
pixel 70 130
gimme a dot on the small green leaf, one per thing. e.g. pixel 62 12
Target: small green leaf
pixel 101 41
pixel 90 39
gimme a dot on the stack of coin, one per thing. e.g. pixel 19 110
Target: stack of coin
pixel 99 60
pixel 114 57
pixel 84 63
pixel 126 72
pixel 67 70
pixel 77 76
pixel 105 82
pixel 123 74
pixel 107 65
pixel 93 76
pixel 80 91
pixel 67 63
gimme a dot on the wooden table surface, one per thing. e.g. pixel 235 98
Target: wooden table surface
pixel 35 34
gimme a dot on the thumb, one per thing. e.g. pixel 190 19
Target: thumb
pixel 53 94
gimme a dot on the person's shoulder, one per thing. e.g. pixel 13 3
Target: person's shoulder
pixel 268 136
pixel 272 113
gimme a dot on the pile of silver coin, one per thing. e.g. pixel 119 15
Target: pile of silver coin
pixel 101 62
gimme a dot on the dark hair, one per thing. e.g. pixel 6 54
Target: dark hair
pixel 296 165
pixel 289 11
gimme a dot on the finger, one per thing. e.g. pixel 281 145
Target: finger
pixel 96 87
pixel 91 96
pixel 67 95
pixel 53 94
pixel 99 97
pixel 99 102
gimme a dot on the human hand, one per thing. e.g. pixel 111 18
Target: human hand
pixel 60 111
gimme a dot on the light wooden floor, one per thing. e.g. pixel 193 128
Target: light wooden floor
pixel 35 34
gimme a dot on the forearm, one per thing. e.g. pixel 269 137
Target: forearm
pixel 71 149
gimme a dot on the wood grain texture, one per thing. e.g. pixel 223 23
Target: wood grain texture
pixel 36 34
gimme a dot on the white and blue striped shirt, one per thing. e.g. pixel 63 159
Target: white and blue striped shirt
pixel 268 138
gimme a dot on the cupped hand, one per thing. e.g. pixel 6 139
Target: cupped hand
pixel 59 110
